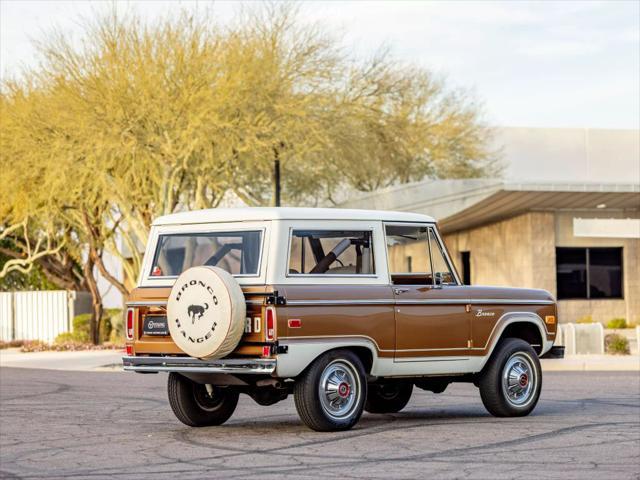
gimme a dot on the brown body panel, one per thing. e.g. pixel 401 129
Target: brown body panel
pixel 345 314
pixel 403 321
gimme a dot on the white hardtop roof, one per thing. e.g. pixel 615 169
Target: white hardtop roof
pixel 220 215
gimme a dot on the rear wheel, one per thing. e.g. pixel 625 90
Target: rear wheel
pixel 330 394
pixel 510 385
pixel 199 405
pixel 388 397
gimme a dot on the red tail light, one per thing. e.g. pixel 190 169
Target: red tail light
pixel 129 350
pixel 130 319
pixel 270 331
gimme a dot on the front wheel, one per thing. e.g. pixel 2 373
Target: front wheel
pixel 330 394
pixel 510 385
pixel 199 405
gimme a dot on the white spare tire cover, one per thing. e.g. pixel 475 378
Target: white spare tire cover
pixel 206 312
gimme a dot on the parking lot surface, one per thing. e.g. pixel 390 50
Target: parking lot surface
pixel 96 425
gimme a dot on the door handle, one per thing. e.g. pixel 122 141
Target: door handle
pixel 398 291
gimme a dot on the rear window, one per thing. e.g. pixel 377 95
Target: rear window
pixel 236 252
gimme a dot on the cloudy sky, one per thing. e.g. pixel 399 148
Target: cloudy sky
pixel 543 64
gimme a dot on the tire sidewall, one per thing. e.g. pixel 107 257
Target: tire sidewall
pixel 182 398
pixel 509 348
pixel 311 395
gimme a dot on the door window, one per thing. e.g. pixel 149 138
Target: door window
pixel 414 253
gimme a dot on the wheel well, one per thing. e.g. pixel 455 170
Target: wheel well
pixel 526 331
pixel 363 353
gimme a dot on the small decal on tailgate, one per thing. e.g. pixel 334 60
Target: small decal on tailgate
pixel 155 325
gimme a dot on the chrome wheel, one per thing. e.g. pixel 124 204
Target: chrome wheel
pixel 339 389
pixel 519 379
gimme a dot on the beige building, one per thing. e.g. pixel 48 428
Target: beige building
pixel 539 227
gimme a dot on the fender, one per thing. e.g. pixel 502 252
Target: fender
pixel 516 317
pixel 302 351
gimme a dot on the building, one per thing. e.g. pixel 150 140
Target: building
pixel 565 217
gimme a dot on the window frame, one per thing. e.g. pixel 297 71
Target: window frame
pixel 146 280
pixel 587 266
pixel 442 246
pixel 206 234
pixel 329 228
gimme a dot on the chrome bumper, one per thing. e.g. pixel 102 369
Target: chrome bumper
pixel 188 364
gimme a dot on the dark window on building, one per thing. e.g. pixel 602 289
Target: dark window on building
pixel 466 267
pixel 589 272
pixel 605 273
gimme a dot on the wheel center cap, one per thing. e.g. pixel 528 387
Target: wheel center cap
pixel 344 389
pixel 524 380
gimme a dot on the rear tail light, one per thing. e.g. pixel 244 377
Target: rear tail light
pixel 270 330
pixel 266 351
pixel 129 350
pixel 130 319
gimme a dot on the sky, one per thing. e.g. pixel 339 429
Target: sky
pixel 531 64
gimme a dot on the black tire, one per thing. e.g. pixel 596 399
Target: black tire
pixel 350 392
pixel 193 405
pixel 513 367
pixel 388 397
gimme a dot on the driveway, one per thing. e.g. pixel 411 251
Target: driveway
pixel 60 424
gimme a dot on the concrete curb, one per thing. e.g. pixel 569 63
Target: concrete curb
pixel 86 360
pixel 593 363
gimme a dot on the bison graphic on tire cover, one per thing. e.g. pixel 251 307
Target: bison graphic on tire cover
pixel 196 312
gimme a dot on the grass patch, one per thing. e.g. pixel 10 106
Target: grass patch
pixel 67 346
pixel 616 344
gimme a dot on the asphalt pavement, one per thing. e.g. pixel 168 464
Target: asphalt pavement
pixel 95 425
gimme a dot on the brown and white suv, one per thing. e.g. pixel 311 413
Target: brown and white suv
pixel 347 310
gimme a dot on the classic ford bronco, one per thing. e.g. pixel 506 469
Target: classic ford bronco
pixel 346 310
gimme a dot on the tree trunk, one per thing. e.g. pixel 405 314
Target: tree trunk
pixel 96 301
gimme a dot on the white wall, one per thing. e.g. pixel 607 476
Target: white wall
pixel 569 154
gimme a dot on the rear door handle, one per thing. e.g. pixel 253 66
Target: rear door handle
pixel 398 291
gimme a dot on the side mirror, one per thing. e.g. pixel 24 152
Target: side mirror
pixel 437 280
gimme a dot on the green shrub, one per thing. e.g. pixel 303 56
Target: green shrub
pixel 585 319
pixel 616 344
pixel 617 323
pixel 111 320
pixel 117 327
pixel 72 337
pixel 82 326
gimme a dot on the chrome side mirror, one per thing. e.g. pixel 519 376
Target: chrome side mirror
pixel 437 280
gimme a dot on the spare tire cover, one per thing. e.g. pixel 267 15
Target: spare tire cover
pixel 206 312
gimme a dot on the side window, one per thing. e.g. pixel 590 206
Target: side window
pixel 414 253
pixel 331 252
pixel 439 260
pixel 408 253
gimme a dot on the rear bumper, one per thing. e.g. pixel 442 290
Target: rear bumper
pixel 554 352
pixel 190 365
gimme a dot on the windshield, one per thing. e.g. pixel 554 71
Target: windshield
pixel 236 252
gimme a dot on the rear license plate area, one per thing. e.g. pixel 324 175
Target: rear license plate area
pixel 155 325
